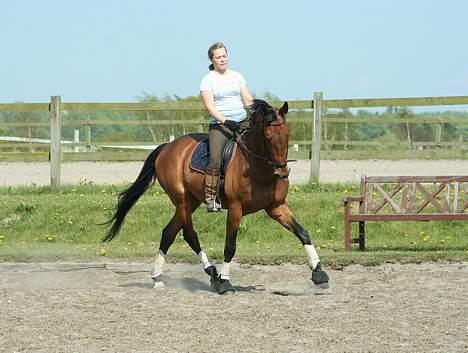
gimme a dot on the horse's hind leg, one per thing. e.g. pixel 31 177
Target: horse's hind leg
pixel 168 236
pixel 182 219
pixel 191 237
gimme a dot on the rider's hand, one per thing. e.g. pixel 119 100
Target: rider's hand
pixel 232 125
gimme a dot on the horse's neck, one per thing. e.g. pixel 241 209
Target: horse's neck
pixel 256 156
pixel 254 142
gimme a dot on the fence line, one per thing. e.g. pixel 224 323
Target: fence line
pixel 318 118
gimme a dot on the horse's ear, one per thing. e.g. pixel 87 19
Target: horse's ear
pixel 284 109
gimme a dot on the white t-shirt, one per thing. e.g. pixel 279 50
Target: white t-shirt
pixel 226 93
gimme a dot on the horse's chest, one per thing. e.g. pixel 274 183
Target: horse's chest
pixel 273 192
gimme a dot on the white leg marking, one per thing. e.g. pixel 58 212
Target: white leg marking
pixel 159 285
pixel 158 264
pixel 204 260
pixel 312 256
pixel 225 271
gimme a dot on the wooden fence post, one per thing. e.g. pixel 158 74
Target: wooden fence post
pixel 88 135
pixel 316 138
pixel 346 136
pixel 76 139
pixel 438 136
pixel 55 142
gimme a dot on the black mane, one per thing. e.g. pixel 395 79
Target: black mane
pixel 263 109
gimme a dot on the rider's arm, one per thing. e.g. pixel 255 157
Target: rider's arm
pixel 208 102
pixel 247 99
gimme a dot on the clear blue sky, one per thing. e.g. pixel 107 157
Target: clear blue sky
pixel 113 51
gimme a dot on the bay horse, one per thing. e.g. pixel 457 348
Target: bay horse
pixel 256 179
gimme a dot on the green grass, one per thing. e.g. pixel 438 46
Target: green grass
pixel 36 225
pixel 384 153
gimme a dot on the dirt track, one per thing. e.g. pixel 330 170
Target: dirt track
pixel 12 174
pixel 111 308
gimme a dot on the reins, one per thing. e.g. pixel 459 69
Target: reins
pixel 267 158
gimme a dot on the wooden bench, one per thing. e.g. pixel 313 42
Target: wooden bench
pixel 405 198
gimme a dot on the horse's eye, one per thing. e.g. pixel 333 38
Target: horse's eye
pixel 271 116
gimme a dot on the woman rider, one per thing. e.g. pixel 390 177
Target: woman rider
pixel 224 94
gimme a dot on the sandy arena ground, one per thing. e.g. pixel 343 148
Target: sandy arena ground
pixel 330 171
pixel 99 307
pixel 111 307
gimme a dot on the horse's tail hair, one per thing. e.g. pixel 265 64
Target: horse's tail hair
pixel 128 197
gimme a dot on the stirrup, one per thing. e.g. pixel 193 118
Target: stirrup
pixel 213 206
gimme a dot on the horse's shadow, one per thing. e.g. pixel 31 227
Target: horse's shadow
pixel 187 283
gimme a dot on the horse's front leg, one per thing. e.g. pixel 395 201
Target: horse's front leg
pixel 284 216
pixel 222 284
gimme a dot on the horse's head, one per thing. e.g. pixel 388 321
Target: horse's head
pixel 274 131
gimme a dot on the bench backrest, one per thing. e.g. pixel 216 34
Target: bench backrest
pixel 414 194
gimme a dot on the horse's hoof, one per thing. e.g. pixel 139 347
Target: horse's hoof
pixel 230 292
pixel 157 283
pixel 226 287
pixel 324 285
pixel 222 286
pixel 211 271
pixel 320 277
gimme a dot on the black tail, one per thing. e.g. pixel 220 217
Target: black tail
pixel 128 197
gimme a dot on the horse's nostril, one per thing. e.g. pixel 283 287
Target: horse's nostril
pixel 282 173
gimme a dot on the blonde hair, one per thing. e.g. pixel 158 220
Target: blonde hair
pixel 211 49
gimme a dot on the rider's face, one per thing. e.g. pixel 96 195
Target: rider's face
pixel 220 59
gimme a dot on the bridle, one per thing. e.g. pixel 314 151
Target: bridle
pixel 267 158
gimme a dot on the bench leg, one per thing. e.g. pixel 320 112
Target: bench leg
pixel 347 228
pixel 347 236
pixel 362 236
